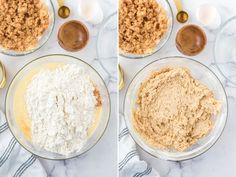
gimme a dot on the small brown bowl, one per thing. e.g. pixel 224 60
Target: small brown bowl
pixel 190 40
pixel 73 36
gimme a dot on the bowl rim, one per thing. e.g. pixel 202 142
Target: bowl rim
pixel 166 158
pixel 112 15
pixel 106 90
pixel 24 53
pixel 143 56
pixel 215 48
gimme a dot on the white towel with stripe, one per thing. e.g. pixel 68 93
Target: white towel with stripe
pixel 129 163
pixel 15 161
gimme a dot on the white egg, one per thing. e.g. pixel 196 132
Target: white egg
pixel 90 11
pixel 208 16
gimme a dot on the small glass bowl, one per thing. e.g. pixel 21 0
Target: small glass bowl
pixel 63 59
pixel 106 46
pixel 166 5
pixel 225 50
pixel 200 72
pixel 43 39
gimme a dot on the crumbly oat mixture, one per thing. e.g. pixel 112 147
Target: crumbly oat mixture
pixel 174 110
pixel 142 23
pixel 22 22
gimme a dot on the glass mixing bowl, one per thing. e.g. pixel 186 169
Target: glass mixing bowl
pixel 107 45
pixel 37 63
pixel 225 50
pixel 200 72
pixel 42 40
pixel 165 4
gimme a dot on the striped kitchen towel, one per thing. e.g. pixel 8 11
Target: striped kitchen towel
pixel 129 163
pixel 15 161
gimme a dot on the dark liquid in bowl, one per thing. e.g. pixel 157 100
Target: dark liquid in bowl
pixel 73 36
pixel 190 40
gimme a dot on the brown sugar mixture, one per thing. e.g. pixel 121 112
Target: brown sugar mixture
pixel 174 110
pixel 22 22
pixel 142 23
pixel 98 97
pixel 73 36
pixel 190 40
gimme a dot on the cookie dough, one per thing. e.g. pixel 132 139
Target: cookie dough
pixel 174 110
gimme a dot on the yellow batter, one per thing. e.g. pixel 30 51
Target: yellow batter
pixel 20 111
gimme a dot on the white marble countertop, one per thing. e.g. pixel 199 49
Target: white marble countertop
pixel 102 159
pixel 220 159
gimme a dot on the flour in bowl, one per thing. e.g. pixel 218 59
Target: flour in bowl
pixel 61 104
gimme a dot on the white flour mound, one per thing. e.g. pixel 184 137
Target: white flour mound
pixel 61 104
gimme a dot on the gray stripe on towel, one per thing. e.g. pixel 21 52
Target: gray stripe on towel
pixel 146 172
pixel 8 151
pixel 129 156
pixel 3 125
pixel 124 132
pixel 24 166
pixel 3 129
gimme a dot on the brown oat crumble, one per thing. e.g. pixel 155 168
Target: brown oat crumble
pixel 142 23
pixel 22 22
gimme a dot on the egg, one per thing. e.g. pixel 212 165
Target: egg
pixel 208 16
pixel 90 11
